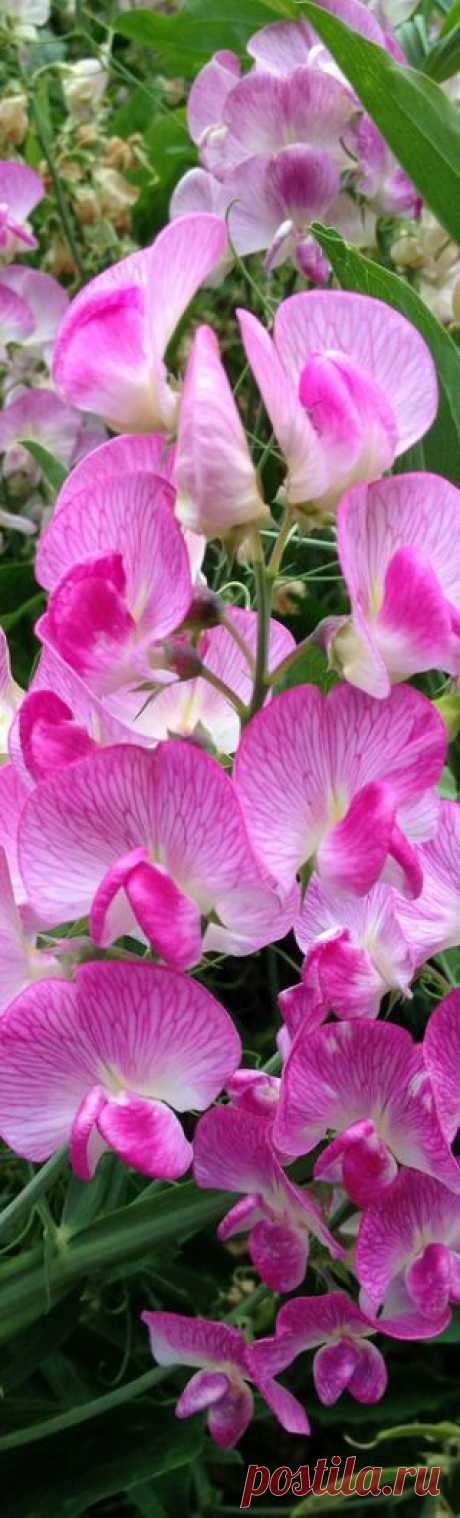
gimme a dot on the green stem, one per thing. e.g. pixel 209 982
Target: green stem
pixel 263 598
pixel 280 544
pixel 32 1193
pixel 224 690
pixel 83 1411
pixel 130 1233
pixel 231 628
pixel 64 213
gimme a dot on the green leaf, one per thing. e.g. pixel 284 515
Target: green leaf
pixel 441 445
pixel 67 1475
pixel 130 1234
pixel 185 41
pixel 52 468
pixel 452 19
pixel 311 668
pixel 443 60
pixel 414 116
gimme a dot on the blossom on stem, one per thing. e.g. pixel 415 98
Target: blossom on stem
pixel 109 354
pixel 339 1331
pixel 441 1049
pixel 348 385
pixel 399 551
pixel 224 1368
pixel 233 1151
pixel 408 1257
pixel 107 1061
pixel 41 416
pixel 21 189
pixel 115 562
pixel 217 486
pixel 367 1083
pixel 356 951
pixel 432 924
pixel 150 844
pixel 46 303
pixel 342 781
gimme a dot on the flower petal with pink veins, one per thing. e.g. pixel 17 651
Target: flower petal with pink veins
pixel 209 92
pixel 273 200
pixel 132 1031
pixel 136 453
pixel 304 761
pixel 109 354
pixel 178 1340
pixel 281 46
pixel 215 478
pixel 13 795
pixel 21 189
pixel 432 923
pixel 384 346
pixel 48 735
pixel 355 946
pixel 308 472
pixel 346 1076
pixel 266 112
pixel 146 1135
pixel 46 301
pixel 177 804
pixel 394 1233
pixel 441 1052
pixel 397 546
pixel 16 320
pixel 41 416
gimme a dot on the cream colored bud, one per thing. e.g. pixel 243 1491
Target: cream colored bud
pixel 286 597
pixel 407 253
pixel 83 86
pixel 116 197
pixel 86 206
pixel 13 119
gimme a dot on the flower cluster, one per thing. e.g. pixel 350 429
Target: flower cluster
pixel 133 845
pixel 287 143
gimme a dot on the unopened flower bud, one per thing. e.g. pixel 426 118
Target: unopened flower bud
pixel 83 86
pixel 286 597
pixel 116 197
pixel 86 206
pixel 122 152
pixel 205 609
pixel 182 658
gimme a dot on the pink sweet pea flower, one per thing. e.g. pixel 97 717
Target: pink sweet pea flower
pixel 62 717
pixel 117 567
pixel 39 415
pixel 232 1151
pixel 107 1061
pixel 282 46
pixel 441 1050
pixel 150 843
pixel 21 189
pixel 273 200
pixel 265 112
pixel 217 485
pixel 432 924
pixel 109 354
pixel 345 1362
pixel 21 962
pixel 13 795
pixel 343 781
pixel 11 694
pixel 16 320
pixel 219 1386
pixel 208 94
pixel 137 453
pixel 399 550
pixel 348 385
pixel 356 952
pixel 408 1257
pixel 378 175
pixel 46 303
pixel 194 707
pixel 367 1083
